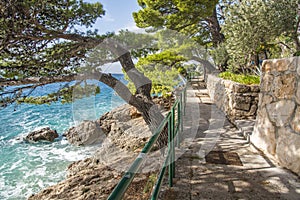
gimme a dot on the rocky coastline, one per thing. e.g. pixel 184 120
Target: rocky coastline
pixel 120 134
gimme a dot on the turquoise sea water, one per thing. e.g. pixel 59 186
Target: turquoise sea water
pixel 26 168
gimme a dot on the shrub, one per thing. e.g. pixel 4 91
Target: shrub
pixel 240 78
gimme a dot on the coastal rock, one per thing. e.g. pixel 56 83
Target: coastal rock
pixel 123 129
pixel 123 126
pixel 95 177
pixel 134 113
pixel 86 133
pixel 92 180
pixel 43 134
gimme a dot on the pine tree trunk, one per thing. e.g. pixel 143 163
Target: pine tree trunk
pixel 215 29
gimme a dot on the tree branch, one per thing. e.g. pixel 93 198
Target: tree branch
pixel 38 80
pixel 142 83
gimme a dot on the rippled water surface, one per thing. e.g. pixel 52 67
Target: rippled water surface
pixel 26 168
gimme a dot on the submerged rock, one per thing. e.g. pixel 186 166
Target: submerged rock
pixel 43 134
pixel 86 133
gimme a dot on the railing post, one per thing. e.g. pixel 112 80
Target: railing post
pixel 179 123
pixel 181 110
pixel 184 100
pixel 170 151
pixel 173 141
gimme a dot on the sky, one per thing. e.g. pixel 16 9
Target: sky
pixel 118 15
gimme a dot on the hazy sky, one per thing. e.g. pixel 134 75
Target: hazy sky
pixel 118 15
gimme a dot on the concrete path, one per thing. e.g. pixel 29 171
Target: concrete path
pixel 216 162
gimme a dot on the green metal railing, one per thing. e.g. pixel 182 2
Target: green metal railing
pixel 174 122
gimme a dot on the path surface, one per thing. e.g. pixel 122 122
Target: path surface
pixel 218 163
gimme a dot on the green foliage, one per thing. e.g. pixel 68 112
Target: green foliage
pixel 150 183
pixel 220 55
pixel 182 70
pixel 255 28
pixel 139 44
pixel 297 53
pixel 240 78
pixel 163 67
pixel 163 78
pixel 40 38
pixel 167 58
pixel 64 95
pixel 185 16
pixel 43 39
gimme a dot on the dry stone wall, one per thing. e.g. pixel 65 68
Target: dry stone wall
pixel 236 100
pixel 277 128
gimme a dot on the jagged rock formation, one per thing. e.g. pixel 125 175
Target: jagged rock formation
pixel 123 134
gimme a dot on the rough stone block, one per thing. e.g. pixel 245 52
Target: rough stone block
pixel 295 61
pixel 265 99
pixel 267 83
pixel 295 123
pixel 282 65
pixel 279 65
pixel 241 114
pixel 277 130
pixel 284 86
pixel 298 93
pixel 242 106
pixel 251 94
pixel 298 68
pixel 255 88
pixel 228 84
pixel 239 88
pixel 253 109
pixel 281 112
pixel 264 134
pixel 242 99
pixel 288 149
pixel 267 66
pixel 241 102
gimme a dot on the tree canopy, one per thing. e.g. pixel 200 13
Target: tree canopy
pixel 168 55
pixel 257 27
pixel 197 19
pixel 238 34
pixel 41 44
pixel 41 37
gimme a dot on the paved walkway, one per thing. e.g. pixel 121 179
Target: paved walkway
pixel 218 163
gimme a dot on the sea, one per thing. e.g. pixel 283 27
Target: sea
pixel 26 168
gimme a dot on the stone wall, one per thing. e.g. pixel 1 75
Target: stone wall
pixel 277 128
pixel 236 100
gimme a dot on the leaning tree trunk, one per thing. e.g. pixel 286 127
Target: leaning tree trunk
pixel 142 100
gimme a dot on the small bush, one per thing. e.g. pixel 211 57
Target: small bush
pixel 240 78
